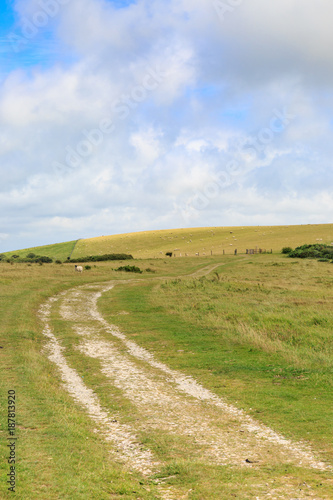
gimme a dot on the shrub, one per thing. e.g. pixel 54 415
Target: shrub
pixel 87 267
pixel 149 270
pixel 317 251
pixel 2 256
pixel 15 256
pixel 31 255
pixel 168 254
pixel 129 269
pixel 46 260
pixel 287 250
pixel 58 261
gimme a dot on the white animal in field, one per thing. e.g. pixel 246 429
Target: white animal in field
pixel 78 268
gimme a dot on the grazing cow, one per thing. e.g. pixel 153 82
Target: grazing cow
pixel 78 268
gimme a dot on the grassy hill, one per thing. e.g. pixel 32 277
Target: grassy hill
pixel 215 240
pixel 56 251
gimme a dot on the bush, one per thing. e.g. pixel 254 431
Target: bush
pixel 87 267
pixel 129 269
pixel 58 261
pixel 168 254
pixel 31 255
pixel 15 256
pixel 46 260
pixel 317 251
pixel 287 250
pixel 2 256
pixel 149 270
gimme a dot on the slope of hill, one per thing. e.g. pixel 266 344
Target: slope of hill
pixel 215 240
pixel 56 251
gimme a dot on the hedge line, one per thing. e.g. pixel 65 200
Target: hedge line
pixel 33 260
pixel 98 258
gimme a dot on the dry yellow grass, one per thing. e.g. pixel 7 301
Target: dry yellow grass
pixel 188 242
pixel 150 244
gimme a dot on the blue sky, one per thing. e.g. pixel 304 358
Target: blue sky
pixel 120 116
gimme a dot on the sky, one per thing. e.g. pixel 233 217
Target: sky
pixel 122 116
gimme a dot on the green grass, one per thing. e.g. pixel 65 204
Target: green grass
pixel 211 328
pixel 258 333
pixel 59 455
pixel 57 251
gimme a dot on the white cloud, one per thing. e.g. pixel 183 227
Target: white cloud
pixel 187 95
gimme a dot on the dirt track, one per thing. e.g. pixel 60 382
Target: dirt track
pixel 166 399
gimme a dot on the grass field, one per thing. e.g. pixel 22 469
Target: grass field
pixel 59 455
pixel 215 240
pixel 257 331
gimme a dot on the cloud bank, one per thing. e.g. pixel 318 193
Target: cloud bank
pixel 125 116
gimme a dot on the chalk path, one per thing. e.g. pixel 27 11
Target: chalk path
pixel 168 401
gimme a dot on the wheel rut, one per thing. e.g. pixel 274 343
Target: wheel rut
pixel 167 400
